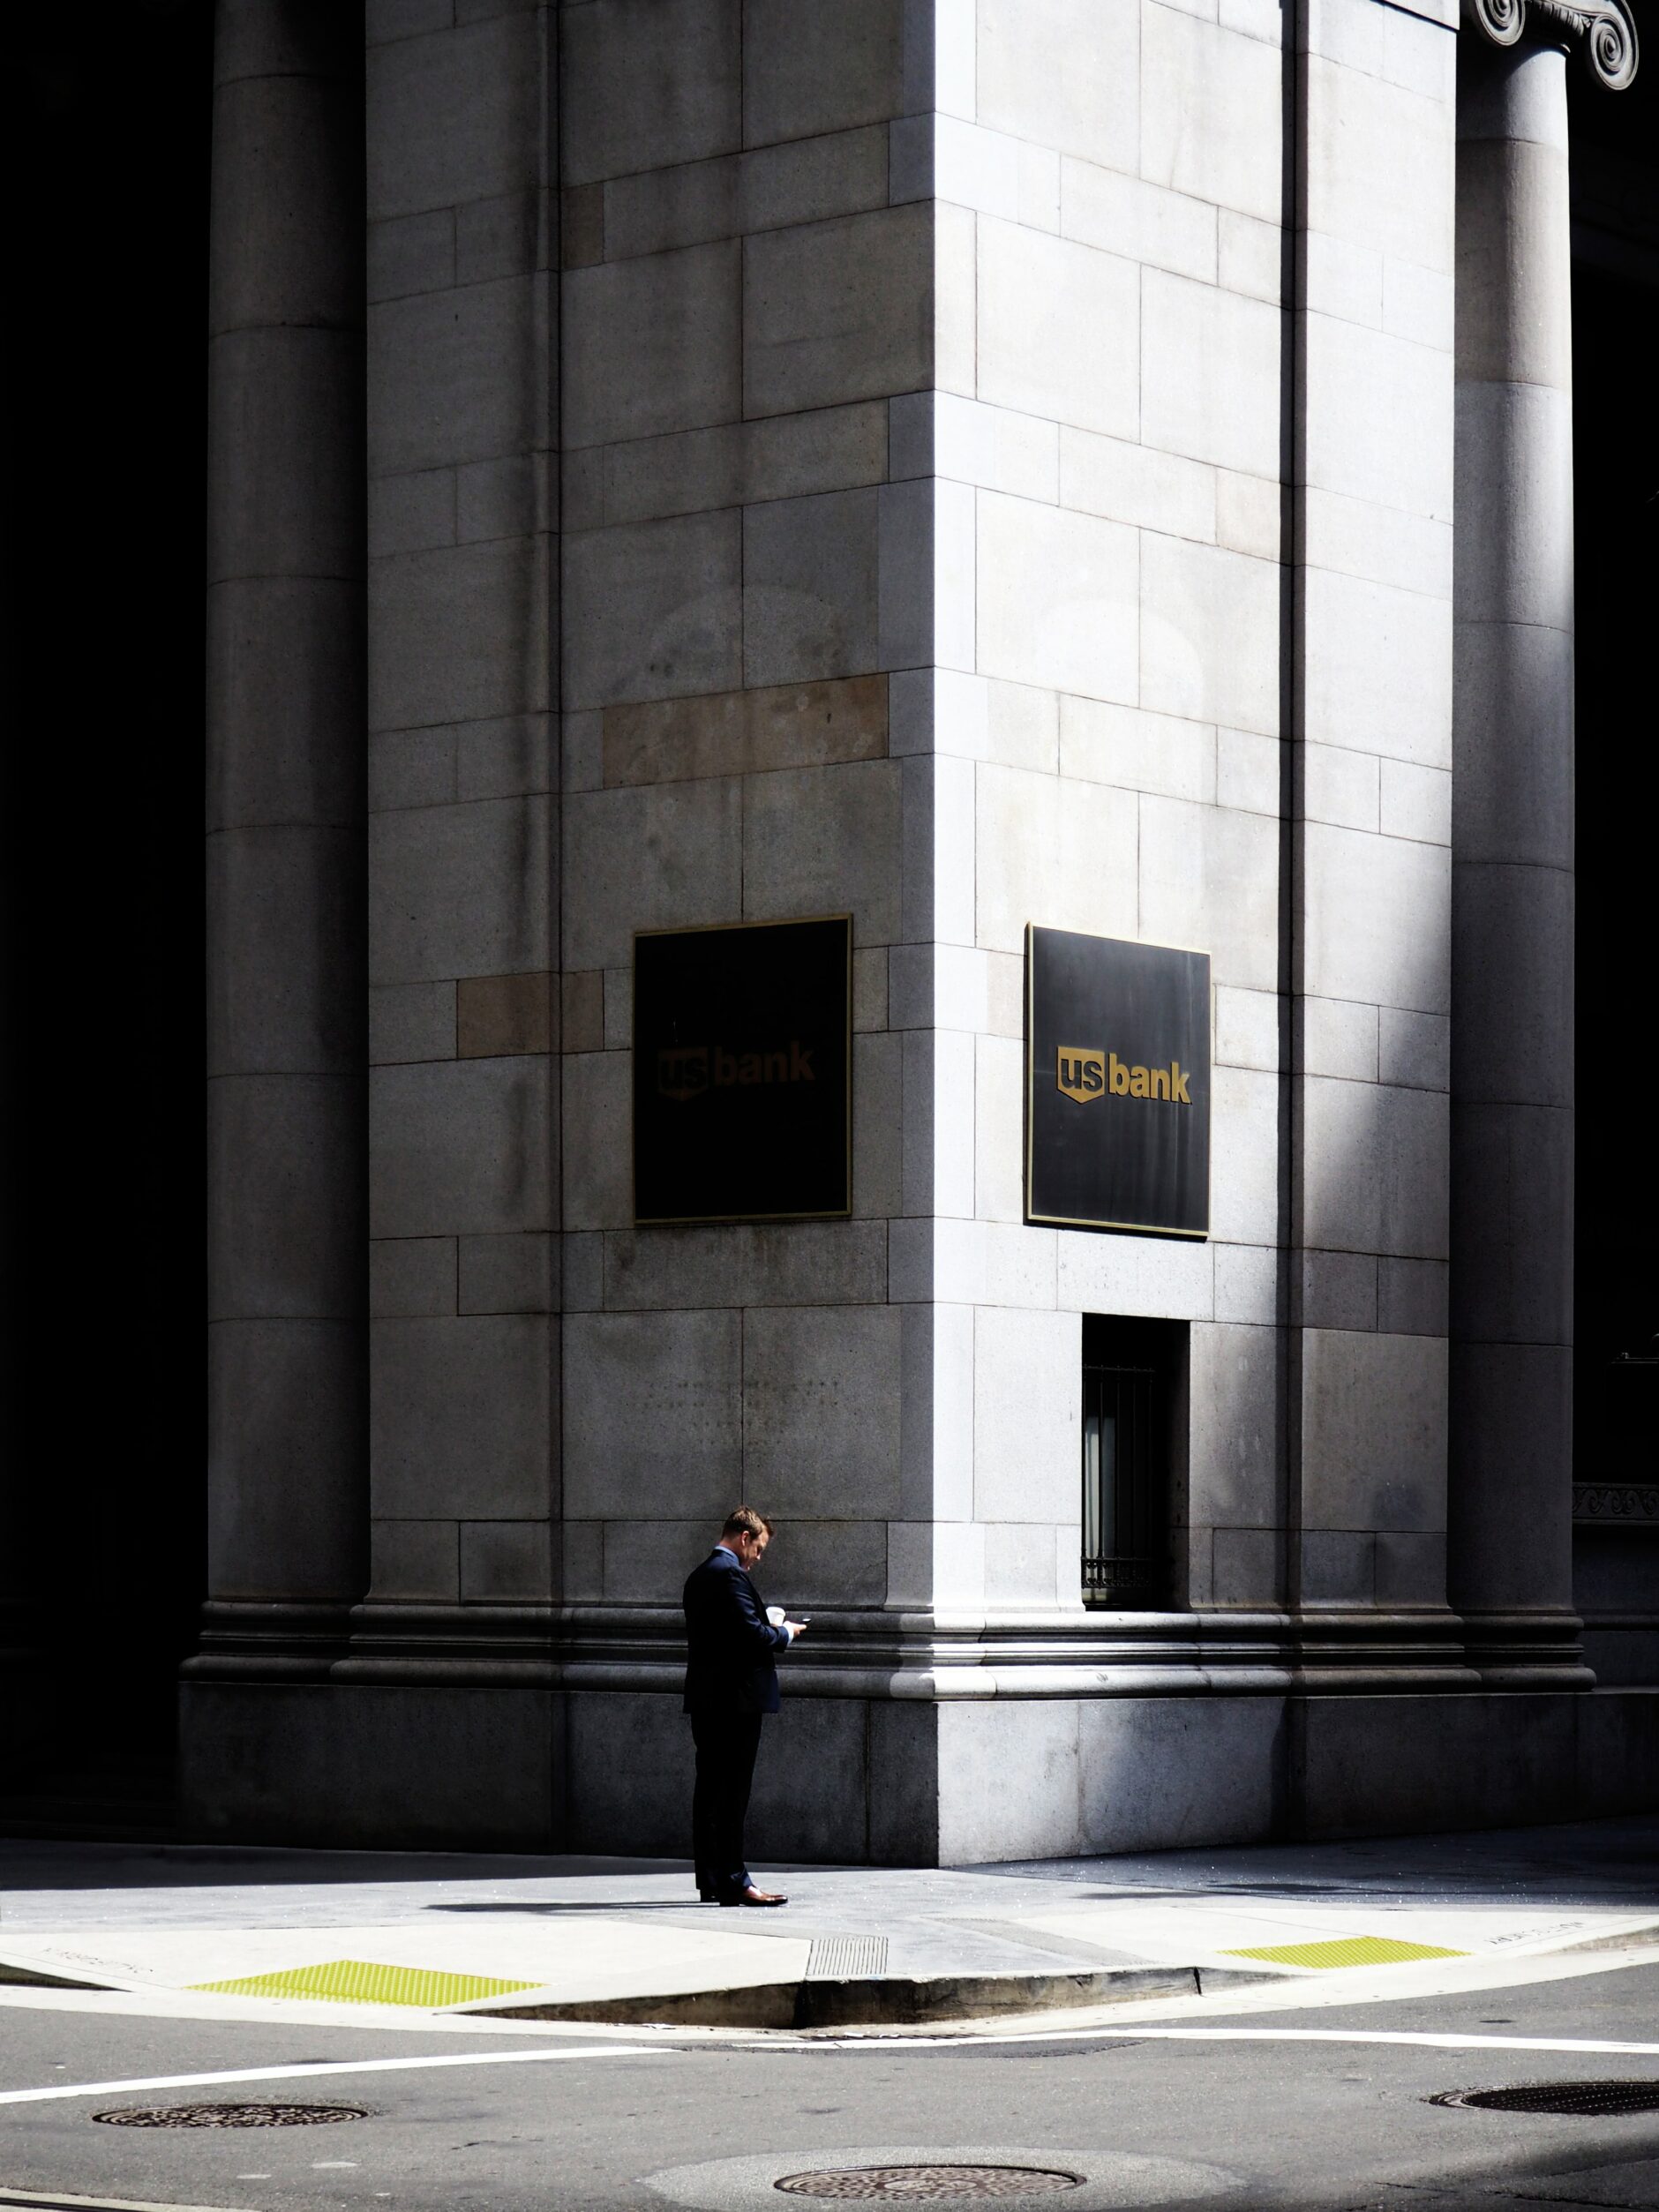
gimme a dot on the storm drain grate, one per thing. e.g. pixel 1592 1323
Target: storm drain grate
pixel 1585 2100
pixel 894 2184
pixel 229 2115
pixel 840 1958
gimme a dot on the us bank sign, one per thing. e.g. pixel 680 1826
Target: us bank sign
pixel 1117 1084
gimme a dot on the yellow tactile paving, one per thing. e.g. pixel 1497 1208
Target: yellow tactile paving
pixel 360 1982
pixel 1345 1951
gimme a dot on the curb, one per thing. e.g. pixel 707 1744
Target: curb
pixel 33 1977
pixel 884 2001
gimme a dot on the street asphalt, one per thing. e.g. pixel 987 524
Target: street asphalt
pixel 1311 2094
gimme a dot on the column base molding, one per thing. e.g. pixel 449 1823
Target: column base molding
pixel 923 1654
pixel 1532 1649
pixel 249 1639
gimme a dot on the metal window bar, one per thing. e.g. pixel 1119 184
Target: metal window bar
pixel 1125 1539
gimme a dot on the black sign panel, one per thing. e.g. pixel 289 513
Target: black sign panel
pixel 1117 1068
pixel 742 1072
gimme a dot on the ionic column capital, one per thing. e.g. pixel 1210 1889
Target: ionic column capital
pixel 1606 31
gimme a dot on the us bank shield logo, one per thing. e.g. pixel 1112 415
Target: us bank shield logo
pixel 683 1072
pixel 1080 1074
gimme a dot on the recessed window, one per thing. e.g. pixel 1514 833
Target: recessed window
pixel 1131 1371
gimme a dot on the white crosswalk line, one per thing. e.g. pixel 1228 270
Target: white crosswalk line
pixel 317 2073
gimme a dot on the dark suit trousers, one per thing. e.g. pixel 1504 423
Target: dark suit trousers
pixel 727 1744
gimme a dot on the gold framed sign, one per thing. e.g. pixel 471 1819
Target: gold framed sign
pixel 1117 1084
pixel 743 1072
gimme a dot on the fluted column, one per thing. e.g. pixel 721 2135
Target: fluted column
pixel 287 1150
pixel 1513 890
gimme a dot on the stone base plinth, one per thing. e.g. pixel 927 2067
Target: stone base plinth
pixel 901 1782
pixel 396 1767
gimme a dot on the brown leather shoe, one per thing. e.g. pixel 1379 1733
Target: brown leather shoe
pixel 756 1897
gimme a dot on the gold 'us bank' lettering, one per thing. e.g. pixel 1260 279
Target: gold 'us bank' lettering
pixel 1084 1074
pixel 686 1071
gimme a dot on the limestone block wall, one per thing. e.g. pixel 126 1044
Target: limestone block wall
pixel 1107 436
pixel 747 290
pixel 461 746
pixel 992 492
pixel 1193 686
pixel 1371 953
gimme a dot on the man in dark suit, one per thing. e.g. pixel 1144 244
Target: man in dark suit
pixel 731 1684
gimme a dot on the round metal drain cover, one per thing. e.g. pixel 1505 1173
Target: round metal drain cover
pixel 895 2183
pixel 1582 2100
pixel 228 2115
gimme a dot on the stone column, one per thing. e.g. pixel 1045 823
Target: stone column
pixel 286 1152
pixel 1511 1030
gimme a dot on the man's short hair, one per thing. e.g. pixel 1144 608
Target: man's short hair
pixel 743 1520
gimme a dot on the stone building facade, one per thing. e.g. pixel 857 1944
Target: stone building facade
pixel 963 464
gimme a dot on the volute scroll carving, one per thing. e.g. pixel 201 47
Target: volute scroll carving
pixel 1605 30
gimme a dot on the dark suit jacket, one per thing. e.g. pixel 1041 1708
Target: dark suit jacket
pixel 731 1646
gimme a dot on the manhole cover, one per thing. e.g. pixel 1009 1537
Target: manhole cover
pixel 894 2182
pixel 1589 2100
pixel 229 2115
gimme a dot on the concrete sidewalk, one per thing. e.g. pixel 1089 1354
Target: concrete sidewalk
pixel 565 1938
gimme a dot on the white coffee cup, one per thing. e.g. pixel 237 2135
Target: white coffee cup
pixel 774 1614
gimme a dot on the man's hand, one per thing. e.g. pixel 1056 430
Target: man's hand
pixel 795 1628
